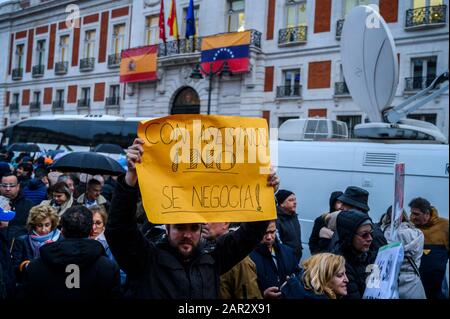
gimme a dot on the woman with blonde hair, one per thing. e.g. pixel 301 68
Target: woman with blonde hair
pixel 42 226
pixel 322 277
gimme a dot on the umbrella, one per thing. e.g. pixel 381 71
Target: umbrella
pixel 24 147
pixel 89 163
pixel 108 148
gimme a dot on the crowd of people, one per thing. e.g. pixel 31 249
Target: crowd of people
pixel 67 236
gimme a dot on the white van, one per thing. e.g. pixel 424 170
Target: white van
pixel 314 169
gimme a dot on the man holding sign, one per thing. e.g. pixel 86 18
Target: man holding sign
pixel 178 267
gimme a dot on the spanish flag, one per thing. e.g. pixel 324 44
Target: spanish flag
pixel 172 21
pixel 231 47
pixel 138 64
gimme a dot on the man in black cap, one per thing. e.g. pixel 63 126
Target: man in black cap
pixel 287 221
pixel 356 198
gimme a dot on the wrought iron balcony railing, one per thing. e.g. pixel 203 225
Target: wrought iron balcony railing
pixel 38 71
pixel 340 88
pixel 286 91
pixel 114 60
pixel 290 36
pixel 61 68
pixel 339 26
pixel 112 101
pixel 58 105
pixel 87 64
pixel 35 106
pixel 17 74
pixel 418 83
pixel 84 103
pixel 14 107
pixel 431 16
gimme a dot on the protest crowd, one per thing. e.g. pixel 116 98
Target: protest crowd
pixel 51 221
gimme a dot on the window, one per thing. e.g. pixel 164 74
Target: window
pixel 40 52
pixel 291 80
pixel 118 39
pixel 426 3
pixel 89 44
pixel 85 94
pixel 430 117
pixel 350 4
pixel 236 16
pixel 283 119
pixel 296 14
pixel 19 56
pixel 185 11
pixel 351 121
pixel 16 98
pixel 36 97
pixel 114 91
pixel 423 72
pixel 60 95
pixel 151 30
pixel 63 48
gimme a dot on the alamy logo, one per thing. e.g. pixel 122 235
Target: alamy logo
pixel 73 19
pixel 73 279
pixel 373 19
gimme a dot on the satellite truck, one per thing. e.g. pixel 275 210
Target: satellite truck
pixel 313 169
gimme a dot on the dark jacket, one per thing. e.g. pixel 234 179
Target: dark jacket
pixel 435 254
pixel 17 226
pixel 7 279
pixel 317 244
pixel 356 263
pixel 46 276
pixel 108 189
pixel 270 275
pixel 35 191
pixel 155 271
pixel 295 289
pixel 289 231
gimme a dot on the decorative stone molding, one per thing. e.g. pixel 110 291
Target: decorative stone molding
pixel 151 3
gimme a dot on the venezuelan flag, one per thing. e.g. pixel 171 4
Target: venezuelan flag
pixel 231 47
pixel 138 64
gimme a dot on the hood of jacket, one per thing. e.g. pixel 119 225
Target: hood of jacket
pixel 35 184
pixel 295 289
pixel 82 252
pixel 347 224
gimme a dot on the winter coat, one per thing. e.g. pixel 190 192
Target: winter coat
pixel 435 255
pixel 289 231
pixel 240 282
pixel 35 191
pixel 17 226
pixel 7 279
pixel 155 270
pixel 316 243
pixel 409 283
pixel 108 189
pixel 295 289
pixel 356 263
pixel 101 201
pixel 269 274
pixel 60 209
pixel 46 277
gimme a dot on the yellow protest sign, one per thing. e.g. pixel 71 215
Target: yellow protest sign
pixel 199 168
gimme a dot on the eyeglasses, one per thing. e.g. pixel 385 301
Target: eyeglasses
pixel 8 185
pixel 365 235
pixel 98 223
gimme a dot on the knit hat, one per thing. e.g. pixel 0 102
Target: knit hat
pixel 6 216
pixel 281 195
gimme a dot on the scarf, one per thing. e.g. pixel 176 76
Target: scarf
pixel 37 241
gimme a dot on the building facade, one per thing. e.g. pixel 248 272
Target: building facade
pixel 52 65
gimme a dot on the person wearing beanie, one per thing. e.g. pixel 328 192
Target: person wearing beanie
pixel 355 230
pixel 288 225
pixel 319 240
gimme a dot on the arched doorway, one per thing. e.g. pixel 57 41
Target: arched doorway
pixel 186 102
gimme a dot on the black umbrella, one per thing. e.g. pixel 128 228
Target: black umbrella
pixel 24 147
pixel 89 163
pixel 108 148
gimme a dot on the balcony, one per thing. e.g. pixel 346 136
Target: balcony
pixel 339 26
pixel 87 64
pixel 84 103
pixel 14 107
pixel 292 36
pixel 114 60
pixel 58 105
pixel 35 106
pixel 288 91
pixel 341 89
pixel 112 101
pixel 38 71
pixel 426 17
pixel 417 83
pixel 17 74
pixel 61 68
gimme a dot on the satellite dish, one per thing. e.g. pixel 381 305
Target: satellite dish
pixel 369 61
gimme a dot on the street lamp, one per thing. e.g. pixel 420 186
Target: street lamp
pixel 224 69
